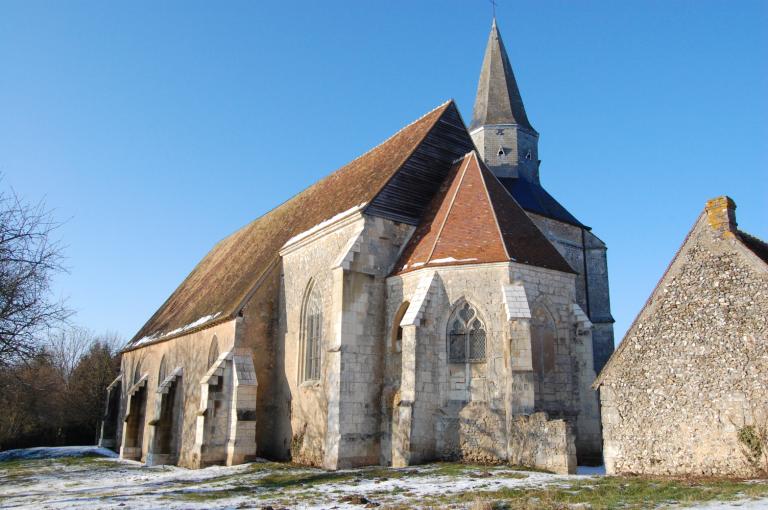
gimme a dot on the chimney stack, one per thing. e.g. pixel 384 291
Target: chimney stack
pixel 721 213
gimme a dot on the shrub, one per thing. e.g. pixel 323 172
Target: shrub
pixel 754 446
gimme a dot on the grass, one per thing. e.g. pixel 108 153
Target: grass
pixel 605 493
pixel 285 485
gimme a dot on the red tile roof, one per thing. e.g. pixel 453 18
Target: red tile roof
pixel 474 220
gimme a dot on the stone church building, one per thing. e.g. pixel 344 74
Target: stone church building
pixel 429 300
pixel 690 374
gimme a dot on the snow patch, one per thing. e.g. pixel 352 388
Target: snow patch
pixel 448 260
pixel 157 336
pixel 323 224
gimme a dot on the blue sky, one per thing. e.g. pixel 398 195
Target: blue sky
pixel 157 128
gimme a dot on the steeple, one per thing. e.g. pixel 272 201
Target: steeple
pixel 500 127
pixel 498 99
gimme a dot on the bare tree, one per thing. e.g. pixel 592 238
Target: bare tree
pixel 67 347
pixel 57 396
pixel 29 259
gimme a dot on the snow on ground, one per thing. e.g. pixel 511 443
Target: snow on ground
pixel 58 482
pixel 757 504
pixel 114 483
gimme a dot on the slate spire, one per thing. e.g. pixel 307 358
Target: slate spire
pixel 498 99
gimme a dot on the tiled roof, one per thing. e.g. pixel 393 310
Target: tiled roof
pixel 221 283
pixel 474 220
pixel 534 198
pixel 755 245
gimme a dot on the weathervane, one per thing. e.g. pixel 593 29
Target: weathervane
pixel 493 7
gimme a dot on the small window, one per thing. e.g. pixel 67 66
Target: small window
pixel 501 152
pixel 529 155
pixel 466 336
pixel 397 330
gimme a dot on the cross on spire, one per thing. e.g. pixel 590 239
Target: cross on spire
pixel 493 7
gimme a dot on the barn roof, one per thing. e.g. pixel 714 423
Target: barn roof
pixel 474 220
pixel 755 245
pixel 396 179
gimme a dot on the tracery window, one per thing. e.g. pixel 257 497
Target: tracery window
pixel 312 334
pixel 466 336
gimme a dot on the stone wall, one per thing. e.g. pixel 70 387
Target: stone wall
pixel 189 352
pixel 335 421
pixel 520 158
pixel 438 410
pixel 258 332
pixel 587 255
pixel 692 369
pixel 545 444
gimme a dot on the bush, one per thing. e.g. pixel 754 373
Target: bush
pixel 754 446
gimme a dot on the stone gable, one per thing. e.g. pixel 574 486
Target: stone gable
pixel 692 369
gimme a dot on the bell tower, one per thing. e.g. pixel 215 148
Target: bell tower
pixel 509 146
pixel 500 128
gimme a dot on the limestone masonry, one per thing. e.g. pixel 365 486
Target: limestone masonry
pixel 691 371
pixel 429 300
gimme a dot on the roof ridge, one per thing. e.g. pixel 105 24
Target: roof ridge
pixel 463 170
pixel 237 262
pixel 326 176
pixel 480 168
pixel 433 110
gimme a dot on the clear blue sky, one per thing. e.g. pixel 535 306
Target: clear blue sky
pixel 158 128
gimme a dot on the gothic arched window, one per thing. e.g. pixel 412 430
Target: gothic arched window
pixel 543 334
pixel 466 336
pixel 162 372
pixel 213 352
pixel 312 334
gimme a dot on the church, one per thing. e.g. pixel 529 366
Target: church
pixel 430 300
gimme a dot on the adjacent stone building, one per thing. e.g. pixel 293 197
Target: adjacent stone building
pixel 692 371
pixel 429 300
